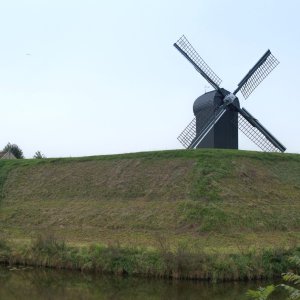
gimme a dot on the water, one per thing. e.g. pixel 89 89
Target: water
pixel 33 284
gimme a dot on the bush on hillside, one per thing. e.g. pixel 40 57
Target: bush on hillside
pixel 14 149
pixel 39 155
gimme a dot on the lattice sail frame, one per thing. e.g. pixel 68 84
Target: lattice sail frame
pixel 189 50
pixel 191 133
pixel 255 135
pixel 259 75
pixel 187 136
pixel 192 136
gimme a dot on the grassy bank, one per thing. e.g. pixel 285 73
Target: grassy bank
pixel 161 262
pixel 214 202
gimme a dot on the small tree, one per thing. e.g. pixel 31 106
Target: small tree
pixel 14 149
pixel 39 155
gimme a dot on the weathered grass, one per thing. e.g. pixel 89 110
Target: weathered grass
pixel 218 202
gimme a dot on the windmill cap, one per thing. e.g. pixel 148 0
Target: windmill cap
pixel 209 101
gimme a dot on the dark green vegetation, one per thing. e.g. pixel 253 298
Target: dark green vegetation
pixel 39 155
pixel 181 263
pixel 230 207
pixel 290 287
pixel 14 149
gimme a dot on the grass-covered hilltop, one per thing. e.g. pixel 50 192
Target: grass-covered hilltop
pixel 207 214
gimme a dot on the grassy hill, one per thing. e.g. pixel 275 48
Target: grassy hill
pixel 213 200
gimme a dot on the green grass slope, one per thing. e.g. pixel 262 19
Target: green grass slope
pixel 213 200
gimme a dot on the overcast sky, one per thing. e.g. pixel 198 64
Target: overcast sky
pixel 98 77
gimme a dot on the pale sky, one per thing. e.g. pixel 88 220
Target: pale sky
pixel 98 77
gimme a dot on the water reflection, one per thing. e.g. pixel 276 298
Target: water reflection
pixel 49 284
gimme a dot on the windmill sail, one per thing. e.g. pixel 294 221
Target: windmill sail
pixel 188 135
pixel 191 136
pixel 257 133
pixel 207 115
pixel 257 74
pixel 188 51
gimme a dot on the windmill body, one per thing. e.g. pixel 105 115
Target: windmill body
pixel 224 133
pixel 218 114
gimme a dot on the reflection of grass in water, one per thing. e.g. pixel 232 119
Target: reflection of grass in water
pixel 40 283
pixel 47 251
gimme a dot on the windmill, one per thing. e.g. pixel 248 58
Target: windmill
pixel 218 114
